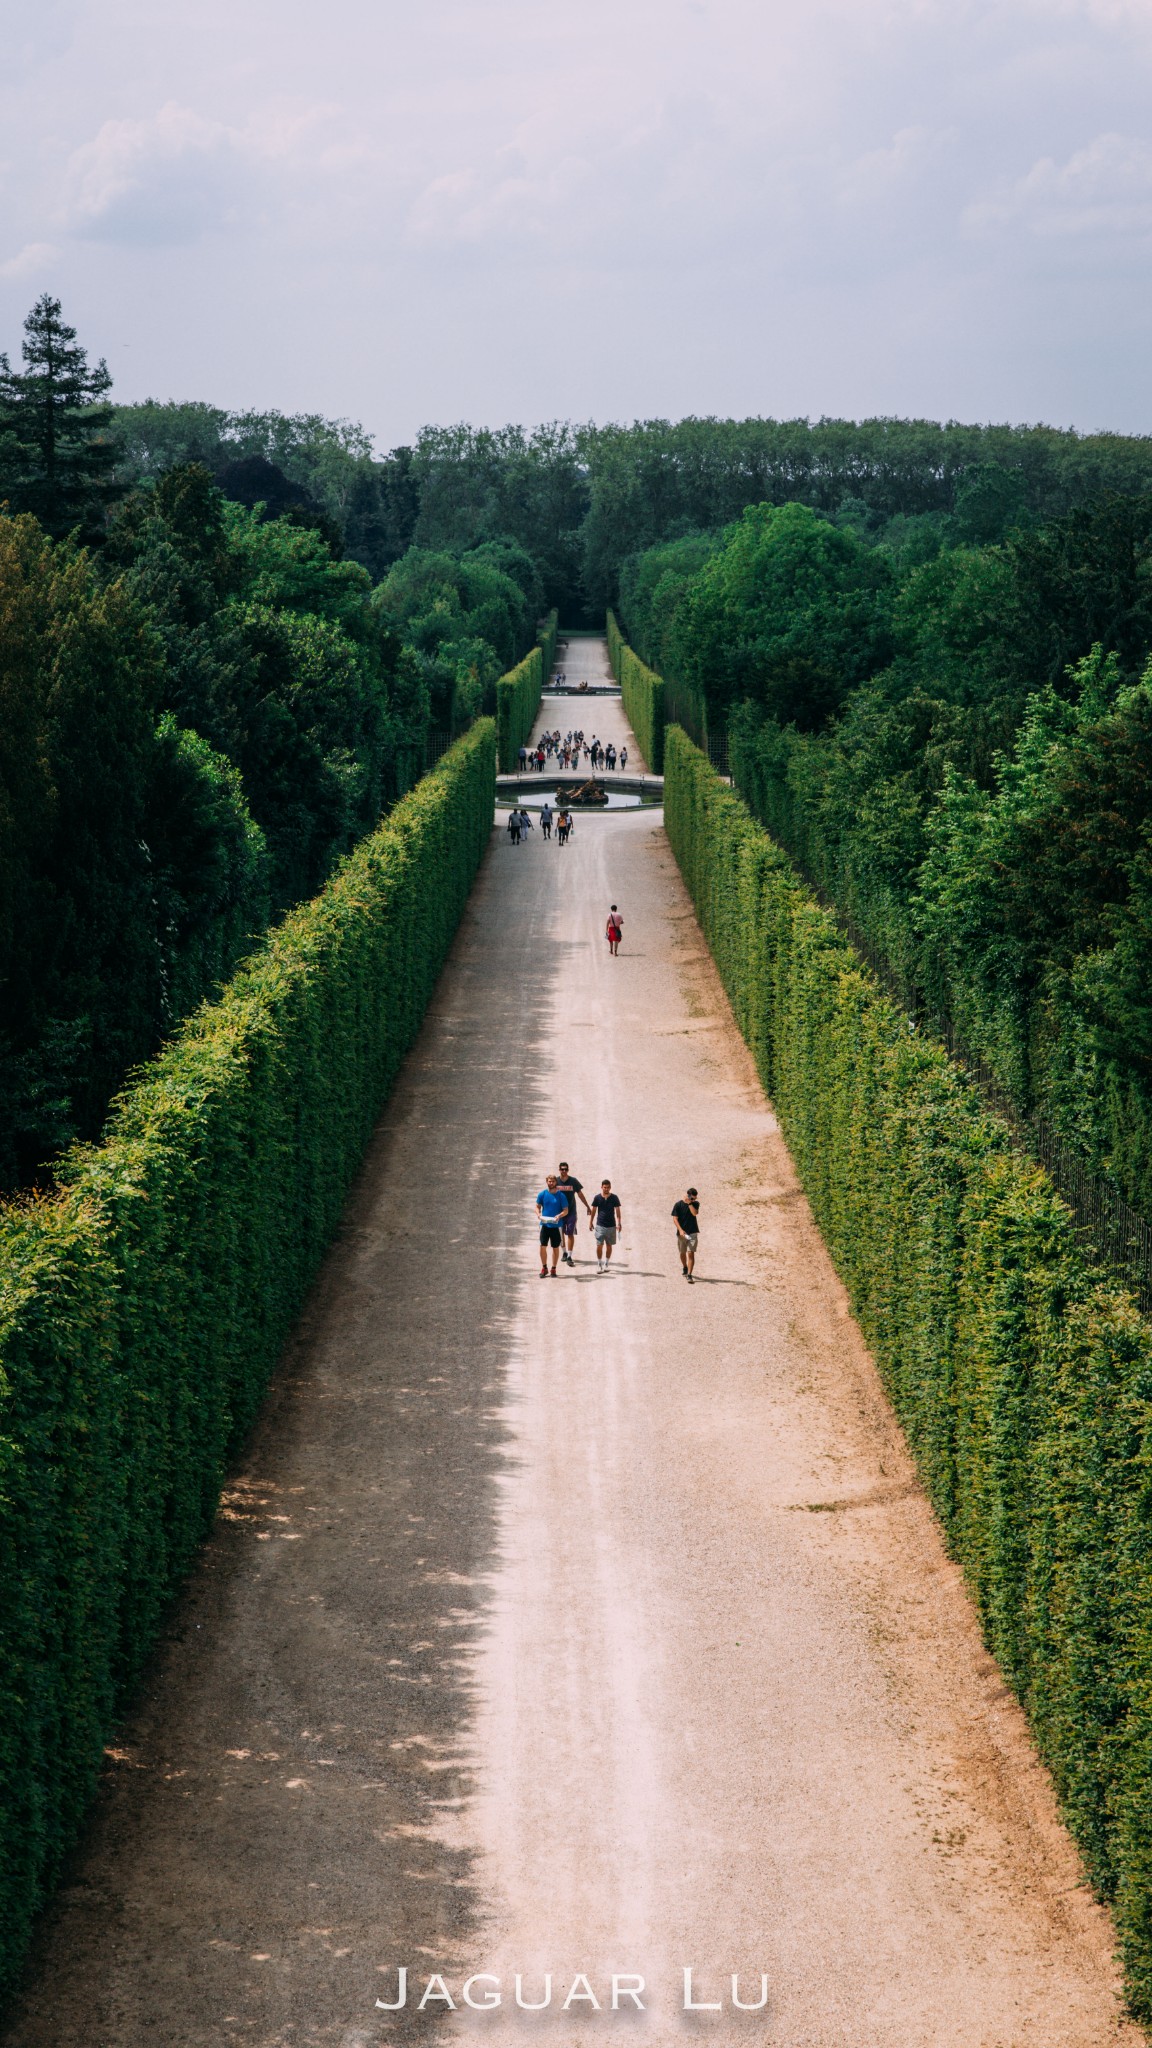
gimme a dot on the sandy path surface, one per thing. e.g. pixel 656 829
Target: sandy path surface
pixel 589 1625
pixel 596 717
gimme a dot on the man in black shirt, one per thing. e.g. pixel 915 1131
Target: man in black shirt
pixel 573 1188
pixel 686 1214
pixel 606 1218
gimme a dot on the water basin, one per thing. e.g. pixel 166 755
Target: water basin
pixel 533 799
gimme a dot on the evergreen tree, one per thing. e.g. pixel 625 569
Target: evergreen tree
pixel 56 450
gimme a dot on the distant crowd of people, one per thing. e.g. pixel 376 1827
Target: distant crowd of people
pixel 570 751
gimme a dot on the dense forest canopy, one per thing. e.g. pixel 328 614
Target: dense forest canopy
pixel 230 639
pixel 584 500
pixel 206 700
pixel 953 735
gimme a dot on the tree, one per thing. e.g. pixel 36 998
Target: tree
pixel 54 429
pixel 790 612
pixel 131 873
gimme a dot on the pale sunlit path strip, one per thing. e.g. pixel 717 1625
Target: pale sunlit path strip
pixel 589 1625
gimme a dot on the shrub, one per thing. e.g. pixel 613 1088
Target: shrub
pixel 1024 1383
pixel 642 692
pixel 142 1309
pixel 518 697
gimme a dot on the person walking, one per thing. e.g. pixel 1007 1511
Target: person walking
pixel 523 757
pixel 525 823
pixel 574 1189
pixel 563 827
pixel 686 1215
pixel 605 1219
pixel 614 931
pixel 546 818
pixel 623 759
pixel 611 758
pixel 551 1208
pixel 514 827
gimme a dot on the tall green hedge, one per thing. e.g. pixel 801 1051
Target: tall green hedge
pixel 1023 1382
pixel 143 1308
pixel 642 691
pixel 546 640
pixel 518 696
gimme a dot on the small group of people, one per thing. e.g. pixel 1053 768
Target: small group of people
pixel 606 757
pixel 520 823
pixel 559 1218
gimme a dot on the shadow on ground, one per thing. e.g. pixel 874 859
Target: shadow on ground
pixel 279 1824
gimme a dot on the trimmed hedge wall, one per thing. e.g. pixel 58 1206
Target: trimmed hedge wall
pixel 546 640
pixel 642 691
pixel 1024 1383
pixel 143 1308
pixel 518 697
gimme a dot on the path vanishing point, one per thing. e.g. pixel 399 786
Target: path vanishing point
pixel 586 1626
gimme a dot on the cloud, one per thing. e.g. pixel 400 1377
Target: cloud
pixel 167 179
pixel 35 256
pixel 1102 189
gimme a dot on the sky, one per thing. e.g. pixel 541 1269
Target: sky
pixel 423 211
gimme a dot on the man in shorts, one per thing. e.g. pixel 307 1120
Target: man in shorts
pixel 574 1189
pixel 606 1217
pixel 686 1216
pixel 546 818
pixel 551 1208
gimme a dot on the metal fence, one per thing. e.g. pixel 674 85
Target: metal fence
pixel 437 740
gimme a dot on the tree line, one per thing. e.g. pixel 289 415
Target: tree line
pixel 232 639
pixel 583 500
pixel 206 701
pixel 954 738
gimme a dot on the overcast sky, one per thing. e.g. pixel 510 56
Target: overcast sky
pixel 433 210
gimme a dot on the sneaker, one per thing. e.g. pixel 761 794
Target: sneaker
pixel 691 1281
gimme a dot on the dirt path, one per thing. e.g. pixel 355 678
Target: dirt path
pixel 599 717
pixel 585 1625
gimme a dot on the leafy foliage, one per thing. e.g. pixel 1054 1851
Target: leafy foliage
pixel 131 871
pixel 56 451
pixel 894 718
pixel 642 694
pixel 325 468
pixel 143 1308
pixel 466 617
pixel 276 654
pixel 910 485
pixel 789 612
pixel 518 697
pixel 1023 1384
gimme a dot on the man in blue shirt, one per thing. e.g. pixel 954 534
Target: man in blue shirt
pixel 551 1208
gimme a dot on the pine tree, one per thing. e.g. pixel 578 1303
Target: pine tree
pixel 56 450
